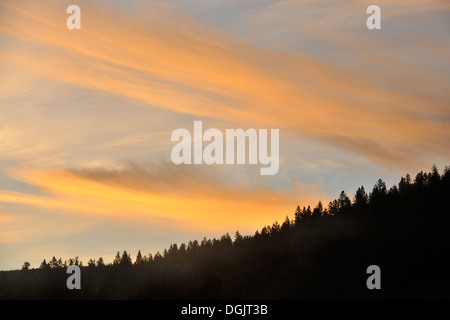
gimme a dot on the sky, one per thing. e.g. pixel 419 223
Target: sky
pixel 86 116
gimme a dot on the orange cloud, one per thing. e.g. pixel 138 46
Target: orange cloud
pixel 180 67
pixel 159 196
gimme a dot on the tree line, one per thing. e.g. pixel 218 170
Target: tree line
pixel 342 206
pixel 318 252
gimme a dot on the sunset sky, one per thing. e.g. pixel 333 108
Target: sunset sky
pixel 86 115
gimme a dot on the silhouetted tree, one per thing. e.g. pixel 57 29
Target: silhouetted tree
pixel 75 261
pixel 226 241
pixel 297 216
pixel 193 245
pixel 182 249
pixel 44 265
pixel 116 261
pixel 403 185
pixel 305 216
pixel 344 202
pixel 286 224
pixel 361 199
pixel 157 257
pixel 139 259
pixel 393 191
pixel 100 262
pixel 173 250
pixel 26 266
pixel 378 193
pixel 333 208
pixel 446 171
pixel 91 263
pixel 420 181
pixel 53 263
pixel 125 260
pixel 435 178
pixel 276 228
pixel 237 238
pixel 317 211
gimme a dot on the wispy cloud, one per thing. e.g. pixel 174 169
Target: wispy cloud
pixel 179 66
pixel 159 195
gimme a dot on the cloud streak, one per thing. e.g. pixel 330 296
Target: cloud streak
pixel 158 195
pixel 179 66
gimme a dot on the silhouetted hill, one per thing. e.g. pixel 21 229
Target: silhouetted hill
pixel 319 253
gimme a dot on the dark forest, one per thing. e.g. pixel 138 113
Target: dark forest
pixel 317 253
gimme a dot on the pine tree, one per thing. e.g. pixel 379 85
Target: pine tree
pixel 434 176
pixel 403 186
pixel 116 261
pixel 125 260
pixel 344 202
pixel 317 211
pixel 379 193
pixel 225 240
pixel 286 225
pixel 91 263
pixel 53 263
pixel 306 214
pixel 361 199
pixel 276 228
pixel 173 249
pixel 139 258
pixel 100 262
pixel 333 208
pixel 237 238
pixel 43 265
pixel 158 256
pixel 297 216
